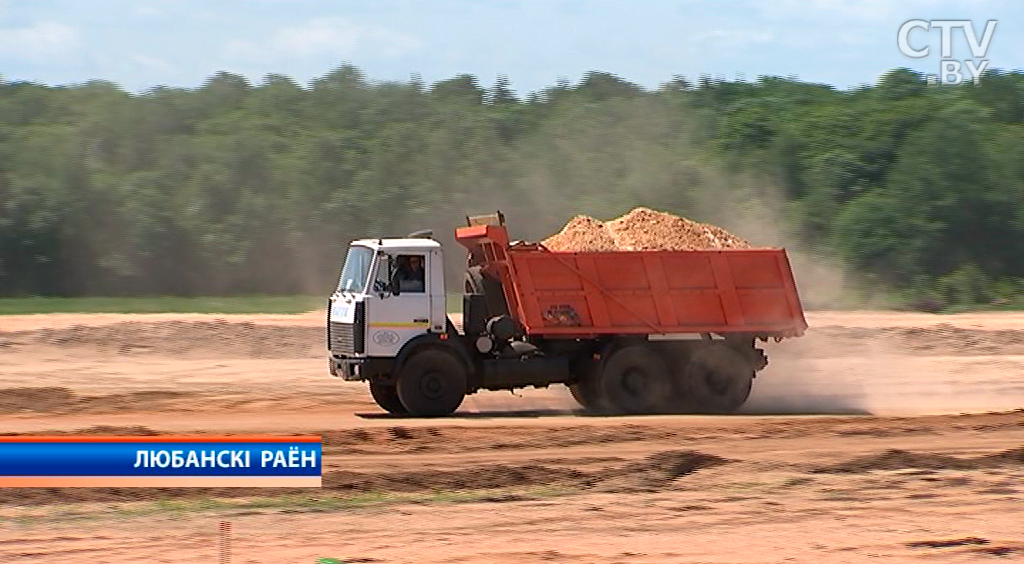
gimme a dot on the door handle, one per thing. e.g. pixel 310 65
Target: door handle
pixel 421 320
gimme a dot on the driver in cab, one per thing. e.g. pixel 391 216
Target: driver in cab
pixel 410 275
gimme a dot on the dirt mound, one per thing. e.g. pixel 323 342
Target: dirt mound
pixel 177 338
pixel 63 400
pixel 1013 456
pixel 486 477
pixel 639 230
pixel 657 471
pixel 948 543
pixel 108 430
pixel 401 439
pixel 835 341
pixel 130 430
pixel 233 339
pixel 896 459
pixel 223 338
pixel 654 473
pixel 13 400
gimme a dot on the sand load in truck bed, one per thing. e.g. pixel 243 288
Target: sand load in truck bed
pixel 639 230
pixel 657 281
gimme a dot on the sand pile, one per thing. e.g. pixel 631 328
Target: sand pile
pixel 640 230
pixel 582 234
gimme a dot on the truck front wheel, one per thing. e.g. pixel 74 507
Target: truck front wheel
pixel 717 379
pixel 432 383
pixel 387 398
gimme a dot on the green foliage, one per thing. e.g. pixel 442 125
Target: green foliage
pixel 965 286
pixel 239 188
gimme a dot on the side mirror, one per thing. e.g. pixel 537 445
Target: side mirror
pixel 391 285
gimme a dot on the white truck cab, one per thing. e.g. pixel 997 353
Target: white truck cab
pixel 380 304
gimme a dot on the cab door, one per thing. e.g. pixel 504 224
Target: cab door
pixel 392 320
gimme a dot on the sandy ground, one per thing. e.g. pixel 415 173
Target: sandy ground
pixel 876 436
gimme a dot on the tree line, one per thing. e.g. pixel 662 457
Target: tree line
pixel 241 188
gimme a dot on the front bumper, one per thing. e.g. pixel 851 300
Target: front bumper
pixel 346 368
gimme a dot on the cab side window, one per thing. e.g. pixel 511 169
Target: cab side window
pixel 411 273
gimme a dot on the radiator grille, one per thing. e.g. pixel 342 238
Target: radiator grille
pixel 348 338
pixel 342 338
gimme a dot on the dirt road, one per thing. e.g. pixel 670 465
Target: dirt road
pixel 867 439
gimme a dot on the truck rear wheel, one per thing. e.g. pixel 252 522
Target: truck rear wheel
pixel 588 395
pixel 387 398
pixel 635 380
pixel 432 383
pixel 717 379
pixel 586 389
pixel 584 396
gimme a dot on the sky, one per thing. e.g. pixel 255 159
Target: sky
pixel 180 43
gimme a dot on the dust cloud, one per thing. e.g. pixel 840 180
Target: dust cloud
pixel 554 400
pixel 839 372
pixel 889 371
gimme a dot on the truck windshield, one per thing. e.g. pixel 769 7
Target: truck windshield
pixel 356 270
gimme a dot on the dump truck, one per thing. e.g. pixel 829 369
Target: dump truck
pixel 629 332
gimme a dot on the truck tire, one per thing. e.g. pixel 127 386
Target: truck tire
pixel 586 387
pixel 586 394
pixel 635 380
pixel 583 396
pixel 387 398
pixel 716 380
pixel 432 383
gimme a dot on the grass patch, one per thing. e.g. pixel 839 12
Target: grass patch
pixel 163 304
pixel 1016 304
pixel 292 503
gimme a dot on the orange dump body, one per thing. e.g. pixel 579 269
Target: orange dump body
pixel 578 295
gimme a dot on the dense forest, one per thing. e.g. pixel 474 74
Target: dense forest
pixel 898 193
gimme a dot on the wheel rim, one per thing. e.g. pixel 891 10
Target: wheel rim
pixel 634 382
pixel 716 382
pixel 432 385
